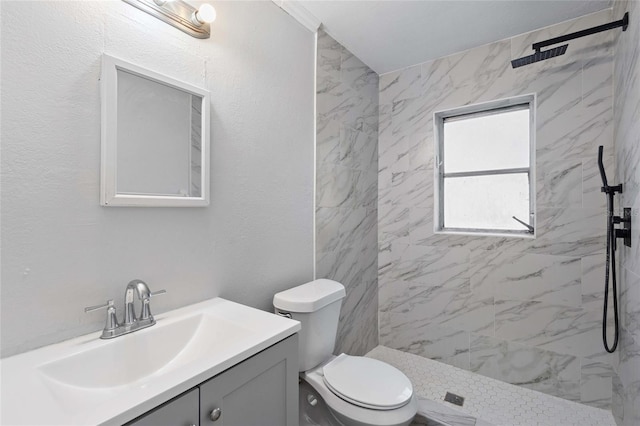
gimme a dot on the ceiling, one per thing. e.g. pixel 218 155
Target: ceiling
pixel 394 34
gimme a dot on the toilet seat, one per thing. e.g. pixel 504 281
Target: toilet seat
pixel 367 382
pixel 353 415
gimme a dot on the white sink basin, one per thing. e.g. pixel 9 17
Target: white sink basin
pixel 127 359
pixel 87 380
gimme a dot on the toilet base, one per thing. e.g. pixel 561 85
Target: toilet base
pixel 317 414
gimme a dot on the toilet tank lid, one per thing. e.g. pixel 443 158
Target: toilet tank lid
pixel 309 297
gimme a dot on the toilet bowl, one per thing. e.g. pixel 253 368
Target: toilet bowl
pixel 380 397
pixel 357 391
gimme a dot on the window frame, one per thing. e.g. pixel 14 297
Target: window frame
pixel 483 109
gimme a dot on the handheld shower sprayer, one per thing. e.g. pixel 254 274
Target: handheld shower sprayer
pixel 610 266
pixel 603 175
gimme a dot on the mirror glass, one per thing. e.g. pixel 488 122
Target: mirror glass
pixel 154 143
pixel 161 158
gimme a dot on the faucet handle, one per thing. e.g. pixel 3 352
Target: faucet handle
pixel 96 307
pixel 112 320
pixel 146 309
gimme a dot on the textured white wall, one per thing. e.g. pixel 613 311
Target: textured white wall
pixel 61 251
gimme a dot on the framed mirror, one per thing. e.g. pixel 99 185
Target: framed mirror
pixel 155 139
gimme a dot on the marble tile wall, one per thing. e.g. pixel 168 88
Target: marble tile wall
pixel 524 311
pixel 626 118
pixel 347 189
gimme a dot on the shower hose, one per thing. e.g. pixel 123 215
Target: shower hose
pixel 610 267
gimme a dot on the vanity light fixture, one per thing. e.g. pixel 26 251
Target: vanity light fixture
pixel 180 14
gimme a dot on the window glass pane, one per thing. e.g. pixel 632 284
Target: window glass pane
pixel 487 202
pixel 487 142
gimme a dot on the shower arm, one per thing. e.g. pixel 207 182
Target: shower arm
pixel 624 23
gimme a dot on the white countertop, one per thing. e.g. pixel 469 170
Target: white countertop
pixel 29 396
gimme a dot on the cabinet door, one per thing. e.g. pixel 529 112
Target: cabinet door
pixel 260 391
pixel 183 410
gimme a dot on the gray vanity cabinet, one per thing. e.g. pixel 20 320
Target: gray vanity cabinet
pixel 260 391
pixel 180 411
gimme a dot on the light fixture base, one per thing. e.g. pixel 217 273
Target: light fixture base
pixel 176 13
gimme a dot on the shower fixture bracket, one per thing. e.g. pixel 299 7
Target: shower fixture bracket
pixel 612 189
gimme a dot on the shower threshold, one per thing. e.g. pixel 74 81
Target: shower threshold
pixel 487 402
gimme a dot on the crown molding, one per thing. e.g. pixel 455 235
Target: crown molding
pixel 299 13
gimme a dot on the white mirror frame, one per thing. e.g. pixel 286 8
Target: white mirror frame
pixel 109 126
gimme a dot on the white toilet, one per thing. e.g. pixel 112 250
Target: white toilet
pixel 358 391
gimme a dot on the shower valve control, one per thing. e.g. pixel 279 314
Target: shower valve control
pixel 625 232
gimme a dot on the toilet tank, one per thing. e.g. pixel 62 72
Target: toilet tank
pixel 317 306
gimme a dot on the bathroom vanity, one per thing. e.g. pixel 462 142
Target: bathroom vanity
pixel 214 362
pixel 261 390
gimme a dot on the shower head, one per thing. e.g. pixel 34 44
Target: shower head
pixel 539 56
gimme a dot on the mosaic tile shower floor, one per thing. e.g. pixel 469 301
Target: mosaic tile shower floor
pixel 487 401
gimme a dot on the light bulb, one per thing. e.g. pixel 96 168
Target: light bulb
pixel 205 14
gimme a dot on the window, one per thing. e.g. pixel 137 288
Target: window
pixel 484 178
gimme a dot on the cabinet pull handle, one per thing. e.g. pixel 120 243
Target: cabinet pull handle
pixel 215 414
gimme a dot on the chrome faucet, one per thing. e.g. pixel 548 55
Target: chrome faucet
pixel 143 292
pixel 131 322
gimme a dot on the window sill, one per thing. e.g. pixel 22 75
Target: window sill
pixel 525 236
